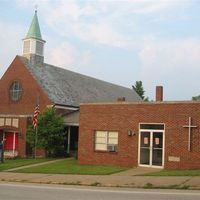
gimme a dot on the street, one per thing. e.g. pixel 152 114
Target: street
pixel 17 191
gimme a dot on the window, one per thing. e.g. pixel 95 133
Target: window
pixel 26 48
pixel 106 140
pixel 15 91
pixel 39 48
pixel 152 126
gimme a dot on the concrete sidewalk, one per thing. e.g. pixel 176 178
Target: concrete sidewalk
pixel 115 180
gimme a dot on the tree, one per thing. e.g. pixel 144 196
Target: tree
pixel 50 133
pixel 138 87
pixel 196 98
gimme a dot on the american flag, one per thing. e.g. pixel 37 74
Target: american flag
pixel 35 116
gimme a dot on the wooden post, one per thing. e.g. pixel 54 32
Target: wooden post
pixel 14 139
pixel 2 151
pixel 68 140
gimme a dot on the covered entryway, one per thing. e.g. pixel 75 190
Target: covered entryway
pixel 10 140
pixel 151 145
pixel 71 133
pixel 9 134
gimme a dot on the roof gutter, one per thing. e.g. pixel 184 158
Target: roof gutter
pixel 66 107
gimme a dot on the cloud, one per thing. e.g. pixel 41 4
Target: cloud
pixel 100 22
pixel 101 33
pixel 11 43
pixel 63 55
pixel 173 63
pixel 86 58
pixel 151 6
pixel 73 21
pixel 178 53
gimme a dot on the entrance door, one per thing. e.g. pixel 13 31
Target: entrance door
pixel 157 149
pixel 11 141
pixel 151 148
pixel 145 138
pixel 8 146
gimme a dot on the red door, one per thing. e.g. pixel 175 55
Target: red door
pixel 9 139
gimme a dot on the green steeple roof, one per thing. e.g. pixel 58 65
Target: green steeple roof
pixel 34 30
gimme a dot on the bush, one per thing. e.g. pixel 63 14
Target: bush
pixel 49 134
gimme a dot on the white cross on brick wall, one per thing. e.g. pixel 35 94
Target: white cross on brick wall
pixel 189 126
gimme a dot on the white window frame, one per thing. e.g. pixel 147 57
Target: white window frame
pixel 151 134
pixel 114 147
pixel 26 48
pixel 15 90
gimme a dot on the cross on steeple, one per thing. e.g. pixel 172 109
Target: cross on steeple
pixel 36 7
pixel 189 126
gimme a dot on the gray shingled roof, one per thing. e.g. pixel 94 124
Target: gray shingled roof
pixel 70 88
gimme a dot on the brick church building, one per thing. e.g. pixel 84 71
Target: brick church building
pixel 29 79
pixel 150 134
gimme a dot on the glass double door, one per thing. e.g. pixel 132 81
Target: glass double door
pixel 151 148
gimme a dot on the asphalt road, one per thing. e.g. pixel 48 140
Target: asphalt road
pixel 13 191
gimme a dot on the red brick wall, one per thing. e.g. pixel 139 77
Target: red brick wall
pixel 127 116
pixel 31 90
pixel 26 105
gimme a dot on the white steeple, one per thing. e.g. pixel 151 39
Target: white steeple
pixel 33 44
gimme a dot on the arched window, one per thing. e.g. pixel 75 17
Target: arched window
pixel 15 91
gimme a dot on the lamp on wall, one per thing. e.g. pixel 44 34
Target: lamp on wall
pixel 131 133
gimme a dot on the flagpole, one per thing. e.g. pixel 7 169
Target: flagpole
pixel 36 135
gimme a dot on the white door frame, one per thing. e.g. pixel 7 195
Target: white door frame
pixel 151 142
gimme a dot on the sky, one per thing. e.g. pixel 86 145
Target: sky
pixel 119 41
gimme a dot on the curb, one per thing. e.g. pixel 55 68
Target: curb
pixel 98 184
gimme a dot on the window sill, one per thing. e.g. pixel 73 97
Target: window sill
pixel 102 151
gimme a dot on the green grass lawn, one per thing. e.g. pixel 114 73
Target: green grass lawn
pixel 70 166
pixel 8 164
pixel 194 172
